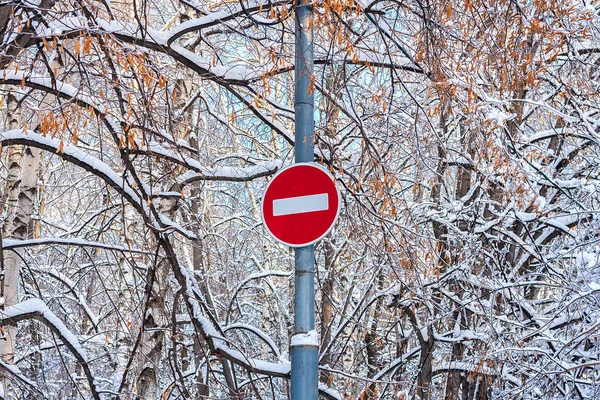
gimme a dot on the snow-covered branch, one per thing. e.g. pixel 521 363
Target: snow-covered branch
pixel 37 309
pixel 9 244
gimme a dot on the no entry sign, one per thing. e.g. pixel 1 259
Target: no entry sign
pixel 301 204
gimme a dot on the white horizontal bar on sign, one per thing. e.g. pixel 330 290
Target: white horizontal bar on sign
pixel 301 204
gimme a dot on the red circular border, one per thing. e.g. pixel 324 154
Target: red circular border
pixel 297 219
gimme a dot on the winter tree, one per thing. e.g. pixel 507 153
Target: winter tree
pixel 137 139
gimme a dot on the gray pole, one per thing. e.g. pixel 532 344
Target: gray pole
pixel 305 358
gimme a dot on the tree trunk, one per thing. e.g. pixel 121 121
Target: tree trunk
pixel 199 266
pixel 155 321
pixel 426 365
pixel 327 308
pixel 21 187
pixel 373 344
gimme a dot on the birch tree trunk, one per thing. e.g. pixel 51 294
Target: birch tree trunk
pixel 21 187
pixel 155 321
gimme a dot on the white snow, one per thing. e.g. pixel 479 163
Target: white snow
pixel 330 392
pixel 102 170
pixel 14 243
pixel 594 285
pixel 17 372
pixel 494 114
pixel 220 343
pixel 200 171
pixel 310 338
pixel 258 333
pixel 80 298
pixel 38 306
pixel 62 87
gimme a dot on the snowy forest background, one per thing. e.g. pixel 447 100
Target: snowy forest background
pixel 138 135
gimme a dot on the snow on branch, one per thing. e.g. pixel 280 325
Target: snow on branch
pixel 238 75
pixel 154 40
pixel 233 174
pixel 217 17
pixel 10 244
pixel 97 167
pixel 219 344
pixel 214 334
pixel 67 91
pixel 263 336
pixel 202 172
pixel 16 372
pixel 474 368
pixel 48 84
pixel 72 286
pixel 38 310
pixel 329 393
pixel 76 156
pixel 63 90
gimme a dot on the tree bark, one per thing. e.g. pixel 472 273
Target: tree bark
pixel 327 308
pixel 155 321
pixel 21 187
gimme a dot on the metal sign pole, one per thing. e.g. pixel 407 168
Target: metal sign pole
pixel 304 353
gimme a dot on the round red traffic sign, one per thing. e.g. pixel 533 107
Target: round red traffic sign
pixel 301 204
